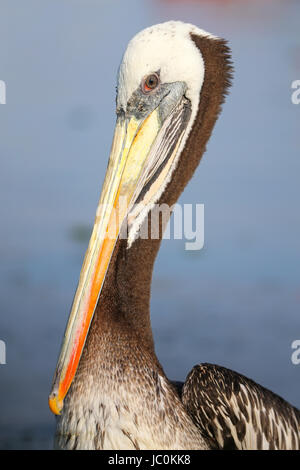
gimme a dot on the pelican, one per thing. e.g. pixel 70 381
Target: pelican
pixel 109 389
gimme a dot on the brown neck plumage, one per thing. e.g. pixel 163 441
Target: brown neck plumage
pixel 123 306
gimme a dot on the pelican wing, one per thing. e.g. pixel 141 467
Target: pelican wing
pixel 233 412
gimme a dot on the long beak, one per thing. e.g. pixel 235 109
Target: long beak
pixel 132 140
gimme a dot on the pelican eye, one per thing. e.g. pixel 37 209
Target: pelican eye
pixel 150 83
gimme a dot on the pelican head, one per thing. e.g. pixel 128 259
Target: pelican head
pixel 161 104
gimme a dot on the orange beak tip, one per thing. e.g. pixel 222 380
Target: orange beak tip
pixel 55 404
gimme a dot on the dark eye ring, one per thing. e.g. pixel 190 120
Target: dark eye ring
pixel 150 83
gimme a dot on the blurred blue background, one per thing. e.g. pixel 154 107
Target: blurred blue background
pixel 234 303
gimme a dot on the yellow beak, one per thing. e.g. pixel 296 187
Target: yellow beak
pixel 125 175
